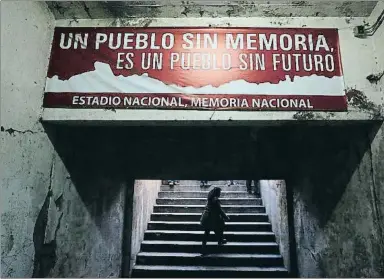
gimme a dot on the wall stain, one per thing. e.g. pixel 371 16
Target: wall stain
pixel 372 78
pixel 39 237
pixel 9 242
pixel 299 3
pixel 12 131
pixel 304 115
pixel 45 253
pixel 86 9
pixel 59 202
pixel 186 11
pixel 357 98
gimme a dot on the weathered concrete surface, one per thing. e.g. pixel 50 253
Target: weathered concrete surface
pixel 54 222
pixel 172 9
pixel 338 211
pixel 86 217
pixel 25 151
pixel 274 195
pixel 145 195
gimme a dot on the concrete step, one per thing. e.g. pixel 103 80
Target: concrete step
pixel 187 259
pixel 168 271
pixel 204 194
pixel 204 188
pixel 188 217
pixel 218 183
pixel 212 247
pixel 155 271
pixel 203 201
pixel 195 226
pixel 198 236
pixel 200 208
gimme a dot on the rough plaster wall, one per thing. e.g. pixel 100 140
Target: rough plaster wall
pixel 25 150
pixel 273 193
pixel 339 227
pixel 54 222
pixel 200 8
pixel 145 195
pixel 86 220
pixel 338 205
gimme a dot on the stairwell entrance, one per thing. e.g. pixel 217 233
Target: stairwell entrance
pixel 171 244
pixel 316 162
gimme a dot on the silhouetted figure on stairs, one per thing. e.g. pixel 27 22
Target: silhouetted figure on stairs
pixel 204 183
pixel 256 187
pixel 213 218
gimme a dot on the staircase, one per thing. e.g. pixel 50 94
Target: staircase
pixel 172 243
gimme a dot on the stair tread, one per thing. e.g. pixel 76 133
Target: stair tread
pixel 202 206
pixel 222 255
pixel 207 268
pixel 228 223
pixel 157 242
pixel 199 214
pixel 222 199
pixel 178 203
pixel 195 186
pixel 222 192
pixel 202 232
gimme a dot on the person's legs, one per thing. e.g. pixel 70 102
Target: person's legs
pixel 257 188
pixel 205 239
pixel 220 236
pixel 249 186
pixel 204 183
pixel 171 182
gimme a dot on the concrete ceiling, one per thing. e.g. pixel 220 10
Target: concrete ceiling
pixel 201 8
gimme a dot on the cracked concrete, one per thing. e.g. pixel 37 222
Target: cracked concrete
pixel 172 9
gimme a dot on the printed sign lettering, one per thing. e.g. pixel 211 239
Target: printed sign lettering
pixel 196 68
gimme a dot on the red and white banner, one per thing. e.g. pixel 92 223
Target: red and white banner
pixel 196 68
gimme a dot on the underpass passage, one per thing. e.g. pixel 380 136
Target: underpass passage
pixel 173 239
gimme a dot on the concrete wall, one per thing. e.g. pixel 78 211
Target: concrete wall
pixel 338 198
pixel 61 209
pixel 338 210
pixel 273 193
pixel 145 195
pixel 25 150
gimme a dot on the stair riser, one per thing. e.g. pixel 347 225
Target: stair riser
pixel 198 227
pixel 204 201
pixel 191 194
pixel 198 188
pixel 171 248
pixel 206 261
pixel 207 274
pixel 218 183
pixel 189 209
pixel 196 218
pixel 212 237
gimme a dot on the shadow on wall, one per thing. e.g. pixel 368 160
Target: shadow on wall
pixel 326 158
pixel 94 165
pixel 90 241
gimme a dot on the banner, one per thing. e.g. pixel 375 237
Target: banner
pixel 196 68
